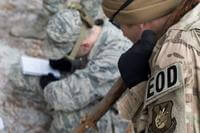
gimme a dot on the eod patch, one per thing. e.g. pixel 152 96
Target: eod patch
pixel 163 82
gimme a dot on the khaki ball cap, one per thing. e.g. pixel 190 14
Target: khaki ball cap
pixel 139 11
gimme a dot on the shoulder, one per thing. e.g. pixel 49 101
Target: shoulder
pixel 187 30
pixel 113 31
pixel 182 38
pixel 176 46
pixel 115 36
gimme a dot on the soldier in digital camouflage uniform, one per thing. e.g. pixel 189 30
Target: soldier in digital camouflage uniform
pixel 50 7
pixel 87 85
pixel 73 96
pixel 169 101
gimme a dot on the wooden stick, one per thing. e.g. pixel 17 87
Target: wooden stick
pixel 90 120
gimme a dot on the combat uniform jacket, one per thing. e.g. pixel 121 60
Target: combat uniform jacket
pixel 77 93
pixel 172 93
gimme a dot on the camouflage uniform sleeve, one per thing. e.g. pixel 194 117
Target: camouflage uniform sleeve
pixel 130 107
pixel 172 48
pixel 86 85
pixel 132 101
pixel 177 47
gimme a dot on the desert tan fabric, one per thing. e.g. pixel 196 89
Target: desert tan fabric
pixel 139 11
pixel 181 44
pixel 179 110
pixel 131 101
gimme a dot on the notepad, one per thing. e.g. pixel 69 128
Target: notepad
pixel 37 67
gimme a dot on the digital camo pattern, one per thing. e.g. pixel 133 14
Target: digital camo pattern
pixel 53 6
pixel 65 122
pixel 92 6
pixel 79 90
pixel 63 30
pixel 180 44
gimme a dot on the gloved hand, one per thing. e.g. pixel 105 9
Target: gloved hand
pixel 133 65
pixel 62 64
pixel 46 79
pixel 67 65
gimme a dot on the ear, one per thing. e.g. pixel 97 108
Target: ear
pixel 146 26
pixel 142 27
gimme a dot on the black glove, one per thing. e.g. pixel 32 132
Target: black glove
pixel 62 64
pixel 67 65
pixel 46 79
pixel 133 65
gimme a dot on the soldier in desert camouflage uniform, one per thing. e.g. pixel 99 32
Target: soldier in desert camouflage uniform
pixel 73 96
pixel 169 101
pixel 50 7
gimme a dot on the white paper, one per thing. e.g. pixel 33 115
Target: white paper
pixel 37 67
pixel 1 124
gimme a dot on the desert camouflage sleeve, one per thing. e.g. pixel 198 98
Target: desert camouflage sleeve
pixel 179 46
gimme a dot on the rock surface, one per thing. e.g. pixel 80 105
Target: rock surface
pixel 21 110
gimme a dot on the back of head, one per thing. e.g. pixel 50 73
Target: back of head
pixel 139 11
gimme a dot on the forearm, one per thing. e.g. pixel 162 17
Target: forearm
pixel 72 93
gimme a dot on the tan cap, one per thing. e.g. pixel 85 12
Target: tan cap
pixel 139 11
